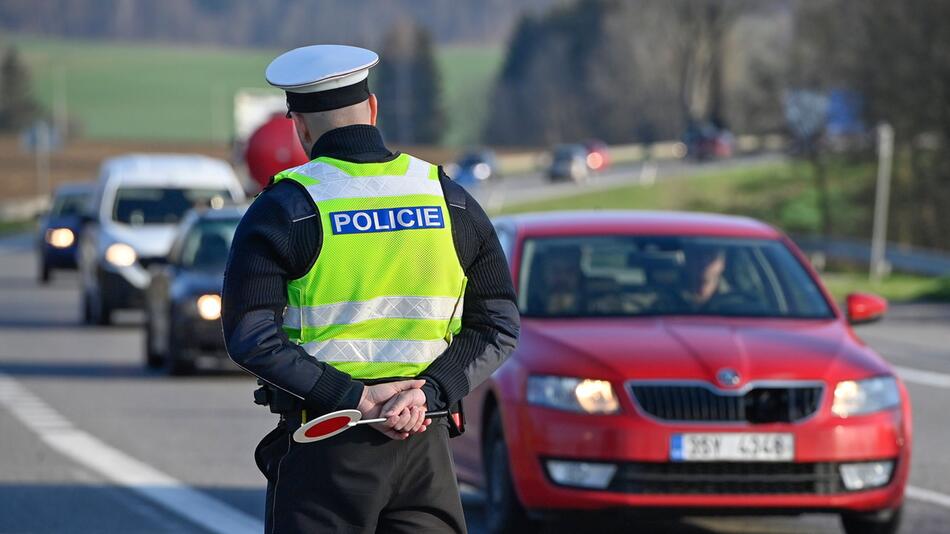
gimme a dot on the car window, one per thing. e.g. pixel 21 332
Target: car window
pixel 66 204
pixel 207 244
pixel 663 275
pixel 157 205
pixel 506 239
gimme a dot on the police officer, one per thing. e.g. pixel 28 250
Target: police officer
pixel 364 279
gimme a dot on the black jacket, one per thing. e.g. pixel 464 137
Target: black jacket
pixel 279 239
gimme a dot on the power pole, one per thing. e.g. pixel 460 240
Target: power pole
pixel 882 195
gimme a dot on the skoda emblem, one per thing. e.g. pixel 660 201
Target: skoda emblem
pixel 728 377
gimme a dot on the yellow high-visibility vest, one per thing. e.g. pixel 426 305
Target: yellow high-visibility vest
pixel 385 295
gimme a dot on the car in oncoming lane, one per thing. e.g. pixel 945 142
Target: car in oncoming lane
pixel 183 299
pixel 59 229
pixel 683 363
pixel 569 163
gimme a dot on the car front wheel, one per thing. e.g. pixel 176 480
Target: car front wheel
pixel 153 358
pixel 881 522
pixel 44 274
pixel 504 512
pixel 94 310
pixel 176 363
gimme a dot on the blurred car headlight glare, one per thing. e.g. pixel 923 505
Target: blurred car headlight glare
pixel 60 237
pixel 572 394
pixel 866 475
pixel 481 171
pixel 120 255
pixel 857 397
pixel 209 307
pixel 581 474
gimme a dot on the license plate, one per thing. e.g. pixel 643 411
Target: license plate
pixel 732 447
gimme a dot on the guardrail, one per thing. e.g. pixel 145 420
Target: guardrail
pixel 23 209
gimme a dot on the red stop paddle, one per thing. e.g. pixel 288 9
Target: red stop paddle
pixel 333 423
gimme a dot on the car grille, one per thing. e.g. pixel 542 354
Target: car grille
pixel 146 262
pixel 702 402
pixel 711 478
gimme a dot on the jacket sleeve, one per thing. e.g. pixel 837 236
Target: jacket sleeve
pixel 490 320
pixel 276 241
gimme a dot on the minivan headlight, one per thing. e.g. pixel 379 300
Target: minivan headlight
pixel 573 394
pixel 857 397
pixel 120 255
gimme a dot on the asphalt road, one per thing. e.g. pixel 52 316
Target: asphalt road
pixel 90 442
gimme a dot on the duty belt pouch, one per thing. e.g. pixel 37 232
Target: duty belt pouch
pixel 456 420
pixel 277 400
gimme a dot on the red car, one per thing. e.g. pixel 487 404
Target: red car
pixel 683 363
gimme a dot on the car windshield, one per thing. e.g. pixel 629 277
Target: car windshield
pixel 156 205
pixel 649 276
pixel 207 244
pixel 471 160
pixel 69 204
pixel 568 152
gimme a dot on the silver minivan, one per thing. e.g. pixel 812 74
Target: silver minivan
pixel 138 202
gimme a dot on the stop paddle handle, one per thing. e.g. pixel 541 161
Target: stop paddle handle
pixel 331 424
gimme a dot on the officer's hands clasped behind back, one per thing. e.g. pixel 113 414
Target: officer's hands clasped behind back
pixel 402 403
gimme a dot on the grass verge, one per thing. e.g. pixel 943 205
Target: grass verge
pixel 17 227
pixel 895 288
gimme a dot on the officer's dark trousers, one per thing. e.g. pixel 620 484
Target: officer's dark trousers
pixel 360 481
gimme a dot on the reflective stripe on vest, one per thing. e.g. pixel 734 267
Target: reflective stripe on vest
pixel 384 297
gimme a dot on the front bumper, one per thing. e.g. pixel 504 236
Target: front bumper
pixel 640 448
pixel 59 258
pixel 118 292
pixel 199 338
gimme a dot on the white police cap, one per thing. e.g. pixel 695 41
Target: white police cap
pixel 322 77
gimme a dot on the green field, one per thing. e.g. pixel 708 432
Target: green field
pixel 163 92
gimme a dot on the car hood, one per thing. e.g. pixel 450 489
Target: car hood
pixel 73 222
pixel 698 348
pixel 198 282
pixel 148 240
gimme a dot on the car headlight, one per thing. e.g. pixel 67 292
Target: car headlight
pixel 120 255
pixel 60 237
pixel 209 307
pixel 573 394
pixel 856 397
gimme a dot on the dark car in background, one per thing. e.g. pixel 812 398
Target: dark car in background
pixel 183 299
pixel 474 168
pixel 705 140
pixel 569 162
pixel 59 229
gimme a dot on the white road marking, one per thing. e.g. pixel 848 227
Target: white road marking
pixel 114 465
pixel 924 378
pixel 928 496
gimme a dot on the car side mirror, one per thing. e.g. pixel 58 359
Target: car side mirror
pixel 865 308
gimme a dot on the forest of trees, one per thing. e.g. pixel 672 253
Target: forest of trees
pixel 641 70
pixel 275 23
pixel 408 76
